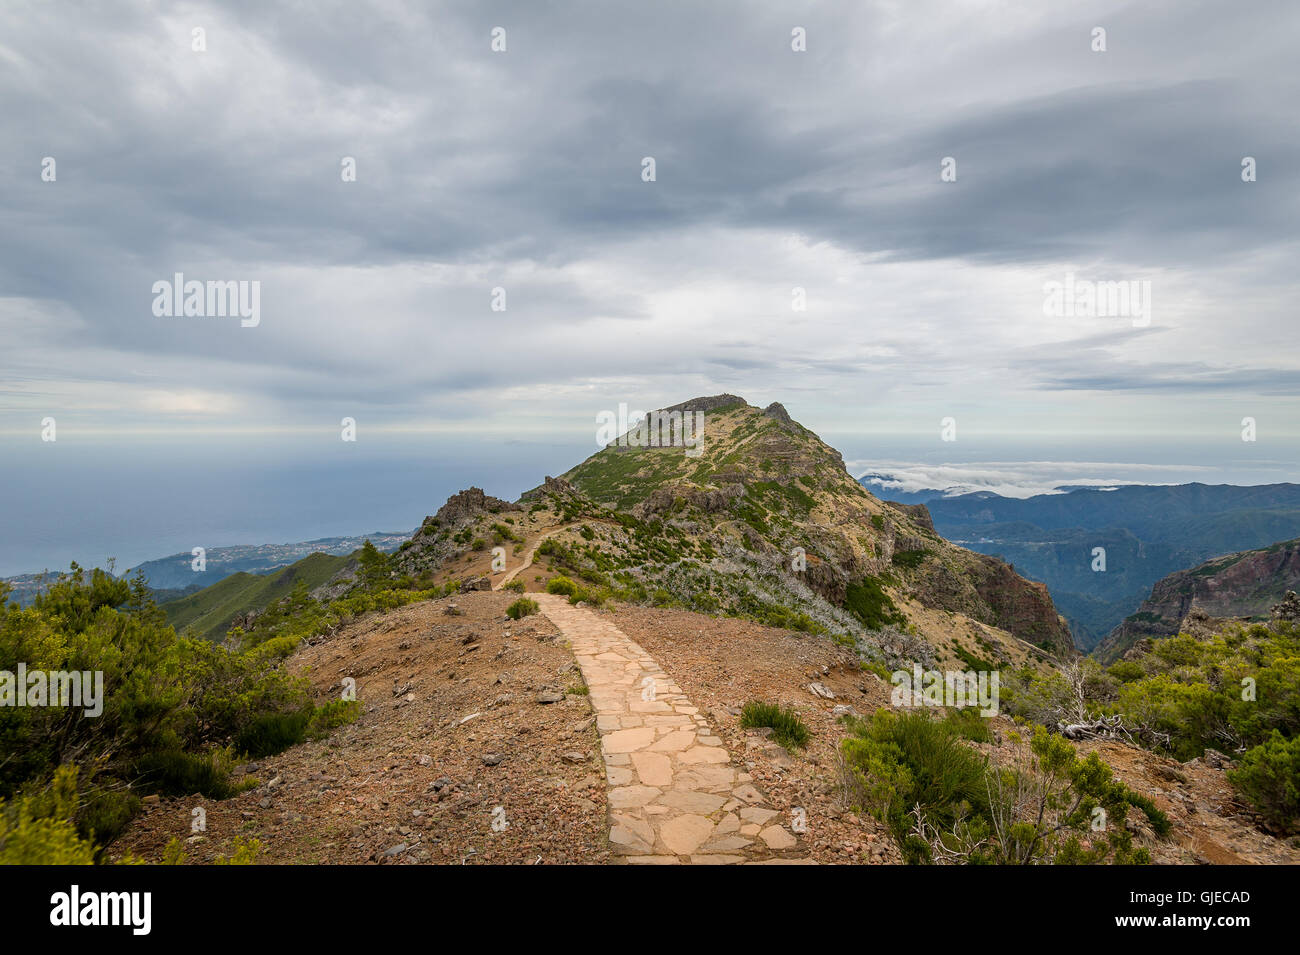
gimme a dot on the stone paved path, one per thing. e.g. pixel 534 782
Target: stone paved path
pixel 674 796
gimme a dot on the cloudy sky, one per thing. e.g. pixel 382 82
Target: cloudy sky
pixel 775 169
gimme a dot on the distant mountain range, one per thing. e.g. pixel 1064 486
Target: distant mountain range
pixel 174 576
pixel 1147 532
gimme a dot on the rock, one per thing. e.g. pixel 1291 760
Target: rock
pixel 396 850
pixel 574 757
pixel 1289 608
pixel 451 610
pixel 822 690
pixel 441 783
pixel 150 800
pixel 841 709
pixel 1216 760
pixel 475 583
pixel 424 759
pixel 264 803
pixel 470 503
pixel 492 759
pixel 550 696
pixel 778 838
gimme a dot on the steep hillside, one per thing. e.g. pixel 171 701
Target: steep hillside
pixel 1246 584
pixel 210 612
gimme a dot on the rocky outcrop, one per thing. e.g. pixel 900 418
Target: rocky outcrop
pixel 918 514
pixel 436 540
pixel 469 503
pixel 1248 585
pixel 665 500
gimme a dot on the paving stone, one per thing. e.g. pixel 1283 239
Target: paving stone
pixel 778 838
pixel 684 834
pixel 692 801
pixel 623 796
pixel 654 769
pixel 706 754
pixel 628 741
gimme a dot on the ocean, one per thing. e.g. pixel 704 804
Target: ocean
pixel 136 498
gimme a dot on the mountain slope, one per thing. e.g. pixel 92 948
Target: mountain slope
pixel 210 612
pixel 764 486
pixel 1246 584
pixel 762 520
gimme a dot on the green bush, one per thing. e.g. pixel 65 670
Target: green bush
pixel 39 830
pixel 967 723
pixel 174 709
pixel 917 775
pixel 561 585
pixel 866 599
pixel 787 728
pixel 515 586
pixel 522 607
pixel 180 773
pixel 1269 777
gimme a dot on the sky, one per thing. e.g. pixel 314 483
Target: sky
pixel 522 169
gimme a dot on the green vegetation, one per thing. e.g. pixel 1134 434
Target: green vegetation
pixel 1237 690
pixel 522 607
pixel 787 728
pixel 910 559
pixel 944 801
pixel 971 661
pixel 177 712
pixel 562 585
pixel 866 599
pixel 209 612
pixel 1269 776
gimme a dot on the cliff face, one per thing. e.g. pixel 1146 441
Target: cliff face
pixel 1246 584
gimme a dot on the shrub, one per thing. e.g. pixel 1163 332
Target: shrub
pixel 325 719
pixel 39 829
pixel 866 599
pixel 522 607
pixel 910 559
pixel 939 797
pixel 967 723
pixel 515 586
pixel 179 773
pixel 787 728
pixel 561 585
pixel 1269 777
